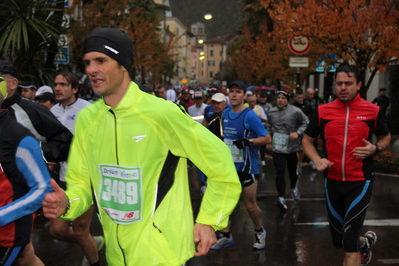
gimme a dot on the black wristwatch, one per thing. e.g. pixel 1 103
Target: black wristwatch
pixel 378 149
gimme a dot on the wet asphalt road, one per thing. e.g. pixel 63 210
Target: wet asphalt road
pixel 298 237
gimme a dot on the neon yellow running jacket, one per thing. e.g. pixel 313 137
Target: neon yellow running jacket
pixel 134 157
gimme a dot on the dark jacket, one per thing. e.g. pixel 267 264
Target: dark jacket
pixel 24 180
pixel 54 138
pixel 305 107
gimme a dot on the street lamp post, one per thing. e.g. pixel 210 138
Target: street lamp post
pixel 298 79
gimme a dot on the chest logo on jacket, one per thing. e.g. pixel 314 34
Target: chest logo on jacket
pixel 139 138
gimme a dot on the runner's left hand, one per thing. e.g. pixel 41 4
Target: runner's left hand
pixel 205 236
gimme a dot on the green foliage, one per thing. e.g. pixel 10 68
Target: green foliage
pixel 392 117
pixel 386 162
pixel 27 29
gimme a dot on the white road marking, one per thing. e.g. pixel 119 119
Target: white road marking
pixel 381 222
pixel 307 199
pixel 389 261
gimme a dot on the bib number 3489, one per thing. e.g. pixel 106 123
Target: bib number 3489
pixel 120 193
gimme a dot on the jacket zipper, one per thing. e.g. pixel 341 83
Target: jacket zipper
pixel 116 137
pixel 345 141
pixel 117 162
pixel 119 245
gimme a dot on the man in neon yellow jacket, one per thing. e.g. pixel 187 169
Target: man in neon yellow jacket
pixel 129 151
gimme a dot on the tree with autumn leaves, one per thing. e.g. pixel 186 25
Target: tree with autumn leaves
pixel 139 20
pixel 257 56
pixel 360 32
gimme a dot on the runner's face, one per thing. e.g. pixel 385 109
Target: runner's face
pixel 218 107
pixel 346 87
pixel 161 92
pixel 309 93
pixel 299 98
pixel 105 74
pixel 251 102
pixel 28 93
pixel 185 96
pixel 223 89
pixel 281 101
pixel 237 96
pixel 64 93
pixel 262 99
pixel 11 84
pixel 47 103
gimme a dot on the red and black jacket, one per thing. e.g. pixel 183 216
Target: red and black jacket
pixel 343 126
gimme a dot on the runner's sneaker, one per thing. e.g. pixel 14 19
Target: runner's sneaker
pixel 260 239
pixel 100 244
pixel 370 239
pixel 280 203
pixel 311 164
pixel 223 242
pixel 299 170
pixel 295 194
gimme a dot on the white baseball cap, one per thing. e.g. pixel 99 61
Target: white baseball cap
pixel 198 94
pixel 219 97
pixel 43 89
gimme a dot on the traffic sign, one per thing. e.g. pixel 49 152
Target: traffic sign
pixel 65 21
pixel 299 45
pixel 62 57
pixel 299 61
pixel 321 65
pixel 63 41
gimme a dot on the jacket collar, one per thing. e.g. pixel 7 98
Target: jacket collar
pixel 11 100
pixel 354 101
pixel 132 97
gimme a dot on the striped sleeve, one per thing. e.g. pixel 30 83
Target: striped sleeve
pixel 33 168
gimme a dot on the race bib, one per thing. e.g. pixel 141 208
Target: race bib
pixel 120 193
pixel 236 153
pixel 280 142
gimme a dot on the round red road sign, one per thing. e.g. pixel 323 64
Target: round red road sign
pixel 299 45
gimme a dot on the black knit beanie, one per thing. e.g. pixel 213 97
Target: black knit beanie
pixel 112 42
pixel 284 93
